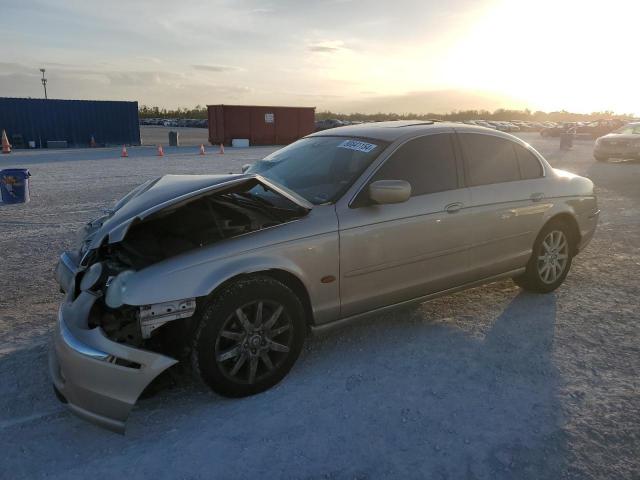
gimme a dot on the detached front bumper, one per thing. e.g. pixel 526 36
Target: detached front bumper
pixel 99 379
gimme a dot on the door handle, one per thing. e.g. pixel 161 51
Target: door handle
pixel 453 207
pixel 536 197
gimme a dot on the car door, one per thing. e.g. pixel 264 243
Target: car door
pixel 507 202
pixel 395 252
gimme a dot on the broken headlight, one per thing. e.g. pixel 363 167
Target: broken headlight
pixel 116 287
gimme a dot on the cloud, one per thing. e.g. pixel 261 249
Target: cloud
pixel 435 101
pixel 323 48
pixel 216 68
pixel 327 46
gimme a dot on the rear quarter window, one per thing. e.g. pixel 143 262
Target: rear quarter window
pixel 530 166
pixel 489 159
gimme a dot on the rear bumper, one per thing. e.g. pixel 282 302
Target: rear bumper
pixel 88 370
pixel 587 224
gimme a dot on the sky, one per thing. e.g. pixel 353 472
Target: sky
pixel 341 55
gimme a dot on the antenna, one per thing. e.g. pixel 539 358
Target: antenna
pixel 44 83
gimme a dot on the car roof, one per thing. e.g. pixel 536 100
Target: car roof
pixel 398 129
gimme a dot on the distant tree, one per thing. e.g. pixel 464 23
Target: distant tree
pixel 200 111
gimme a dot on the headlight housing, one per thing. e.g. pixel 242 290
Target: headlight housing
pixel 92 277
pixel 116 287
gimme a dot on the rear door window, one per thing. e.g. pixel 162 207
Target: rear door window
pixel 489 159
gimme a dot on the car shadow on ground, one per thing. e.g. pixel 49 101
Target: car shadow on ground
pixel 400 396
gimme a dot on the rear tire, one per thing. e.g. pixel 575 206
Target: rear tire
pixel 249 336
pixel 550 259
pixel 600 159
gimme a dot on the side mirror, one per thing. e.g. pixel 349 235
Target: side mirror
pixel 246 167
pixel 389 191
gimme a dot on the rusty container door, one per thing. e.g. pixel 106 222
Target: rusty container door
pixel 261 125
pixel 306 121
pixel 263 129
pixel 286 125
pixel 237 123
pixel 215 118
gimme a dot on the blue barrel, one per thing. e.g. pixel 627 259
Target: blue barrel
pixel 14 185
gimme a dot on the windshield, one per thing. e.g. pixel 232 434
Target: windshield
pixel 319 169
pixel 631 129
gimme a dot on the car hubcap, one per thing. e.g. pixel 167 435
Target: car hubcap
pixel 254 341
pixel 553 256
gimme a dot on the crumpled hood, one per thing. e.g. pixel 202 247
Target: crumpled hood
pixel 158 194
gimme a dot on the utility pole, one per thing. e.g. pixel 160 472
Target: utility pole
pixel 44 83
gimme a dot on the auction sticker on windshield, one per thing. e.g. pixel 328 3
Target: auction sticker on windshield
pixel 357 145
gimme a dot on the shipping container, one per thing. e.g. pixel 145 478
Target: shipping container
pixel 72 121
pixel 261 125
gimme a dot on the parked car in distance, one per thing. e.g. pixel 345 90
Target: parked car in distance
pixel 484 123
pixel 329 123
pixel 229 272
pixel 598 128
pixel 497 125
pixel 621 143
pixel 557 129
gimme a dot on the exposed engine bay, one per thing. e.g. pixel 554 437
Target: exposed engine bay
pixel 177 229
pixel 199 223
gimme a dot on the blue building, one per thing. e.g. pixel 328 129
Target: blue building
pixel 54 122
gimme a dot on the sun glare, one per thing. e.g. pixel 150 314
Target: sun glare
pixel 576 55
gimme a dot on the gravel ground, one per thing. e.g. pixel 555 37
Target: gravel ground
pixel 491 383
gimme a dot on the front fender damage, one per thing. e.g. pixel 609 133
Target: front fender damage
pixel 107 349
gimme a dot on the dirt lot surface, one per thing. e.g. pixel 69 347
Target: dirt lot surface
pixel 491 383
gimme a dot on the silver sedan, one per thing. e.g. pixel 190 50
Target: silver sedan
pixel 230 272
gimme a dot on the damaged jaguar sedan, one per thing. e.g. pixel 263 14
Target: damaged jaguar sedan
pixel 229 272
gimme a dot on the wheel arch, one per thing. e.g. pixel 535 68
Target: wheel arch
pixel 572 223
pixel 283 276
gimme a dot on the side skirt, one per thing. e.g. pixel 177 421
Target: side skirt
pixel 328 327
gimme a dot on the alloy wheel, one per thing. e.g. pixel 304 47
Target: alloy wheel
pixel 553 256
pixel 254 341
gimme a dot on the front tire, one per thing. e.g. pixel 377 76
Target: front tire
pixel 550 260
pixel 249 336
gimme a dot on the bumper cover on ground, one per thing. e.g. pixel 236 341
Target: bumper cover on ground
pixel 88 369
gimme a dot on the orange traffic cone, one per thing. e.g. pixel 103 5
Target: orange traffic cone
pixel 6 146
pixel 124 151
pixel 160 151
pixel 92 142
pixel 221 152
pixel 202 149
